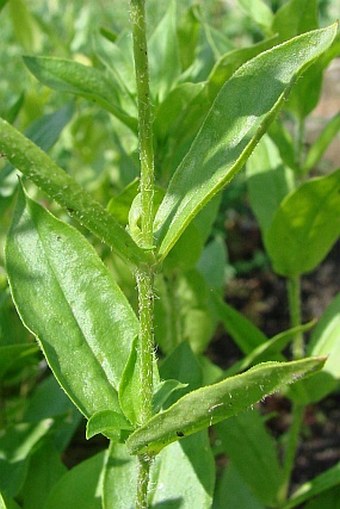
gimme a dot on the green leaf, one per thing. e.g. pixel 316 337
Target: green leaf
pixel 12 110
pixel 14 357
pixel 44 471
pixel 130 386
pixel 252 450
pixel 171 111
pixel 328 500
pixel 16 445
pixel 47 175
pixel 117 57
pixel 295 17
pixel 3 3
pixel 108 423
pixel 270 350
pixel 245 334
pixel 164 58
pixel 319 484
pixel 259 11
pixel 182 365
pixel 188 249
pixel 79 487
pixel 284 142
pixel 68 299
pixel 319 147
pixel 268 181
pixel 188 35
pixel 48 401
pixel 182 476
pixel 325 339
pixel 232 492
pixel 238 118
pixel 26 28
pixel 74 78
pixel 162 393
pixel 212 263
pixel 231 61
pixel 305 226
pixel 120 478
pixel 306 94
pixel 214 403
pixel 5 502
pixel 44 132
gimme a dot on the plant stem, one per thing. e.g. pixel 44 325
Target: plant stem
pixel 292 437
pixel 144 274
pixel 291 447
pixel 146 152
pixel 294 300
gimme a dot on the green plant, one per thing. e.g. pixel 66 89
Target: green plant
pixel 208 116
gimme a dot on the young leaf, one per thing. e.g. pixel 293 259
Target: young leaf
pixel 237 120
pixel 72 77
pixel 79 487
pixel 130 386
pixel 47 175
pixel 67 298
pixel 163 392
pixel 108 423
pixel 253 451
pixel 305 226
pixel 214 403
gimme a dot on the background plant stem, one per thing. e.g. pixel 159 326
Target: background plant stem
pixel 144 274
pixel 294 301
pixel 292 437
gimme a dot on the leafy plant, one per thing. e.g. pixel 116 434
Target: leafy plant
pixel 197 112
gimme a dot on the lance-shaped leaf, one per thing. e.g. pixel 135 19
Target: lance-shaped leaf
pixel 79 79
pixel 305 226
pixel 240 115
pixel 214 403
pixel 67 298
pixel 44 132
pixel 52 179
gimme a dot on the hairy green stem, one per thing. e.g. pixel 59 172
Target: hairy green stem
pixel 144 274
pixel 146 152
